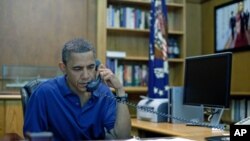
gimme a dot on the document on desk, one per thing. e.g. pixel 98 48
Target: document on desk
pixel 161 139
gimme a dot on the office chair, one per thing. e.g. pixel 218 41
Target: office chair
pixel 26 92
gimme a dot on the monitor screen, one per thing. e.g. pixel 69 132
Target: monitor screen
pixel 207 80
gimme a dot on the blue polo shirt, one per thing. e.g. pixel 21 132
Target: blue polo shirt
pixel 54 107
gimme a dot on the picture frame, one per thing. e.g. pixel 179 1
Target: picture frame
pixel 232 26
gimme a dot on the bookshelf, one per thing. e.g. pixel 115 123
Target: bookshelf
pixel 135 41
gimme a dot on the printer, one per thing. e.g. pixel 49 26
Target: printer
pixel 157 105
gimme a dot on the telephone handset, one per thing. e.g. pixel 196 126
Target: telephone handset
pixel 92 85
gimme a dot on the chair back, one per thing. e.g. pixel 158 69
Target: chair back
pixel 26 92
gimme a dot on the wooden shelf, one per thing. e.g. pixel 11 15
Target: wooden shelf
pixel 131 2
pixel 175 5
pixel 176 60
pixel 145 3
pixel 175 32
pixel 135 58
pixel 138 89
pixel 234 93
pixel 122 30
pixel 139 31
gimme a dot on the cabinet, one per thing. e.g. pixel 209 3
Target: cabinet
pixel 11 114
pixel 135 41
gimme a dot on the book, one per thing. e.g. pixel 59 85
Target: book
pixel 111 64
pixel 137 75
pixel 127 76
pixel 119 73
pixel 116 54
pixel 144 79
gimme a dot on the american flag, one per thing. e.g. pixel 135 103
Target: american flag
pixel 158 83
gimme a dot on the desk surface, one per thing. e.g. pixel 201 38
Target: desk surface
pixel 190 132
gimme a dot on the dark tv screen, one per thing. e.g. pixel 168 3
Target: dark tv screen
pixel 207 80
pixel 232 26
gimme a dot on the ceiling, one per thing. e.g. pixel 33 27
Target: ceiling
pixel 197 1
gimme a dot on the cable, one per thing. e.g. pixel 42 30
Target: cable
pixel 221 127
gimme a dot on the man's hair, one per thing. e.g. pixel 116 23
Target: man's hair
pixel 77 45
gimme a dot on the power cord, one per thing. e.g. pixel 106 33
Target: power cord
pixel 211 113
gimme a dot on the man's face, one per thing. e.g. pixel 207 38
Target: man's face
pixel 80 70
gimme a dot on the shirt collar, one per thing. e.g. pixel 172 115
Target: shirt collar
pixel 65 89
pixel 63 86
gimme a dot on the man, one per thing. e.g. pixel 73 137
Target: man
pixel 64 107
pixel 246 17
pixel 232 24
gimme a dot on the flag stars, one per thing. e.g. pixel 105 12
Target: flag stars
pixel 155 90
pixel 150 45
pixel 167 88
pixel 166 67
pixel 151 57
pixel 160 93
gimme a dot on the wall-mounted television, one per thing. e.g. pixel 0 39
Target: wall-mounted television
pixel 232 26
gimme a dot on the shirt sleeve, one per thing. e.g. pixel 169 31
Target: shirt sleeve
pixel 35 116
pixel 110 114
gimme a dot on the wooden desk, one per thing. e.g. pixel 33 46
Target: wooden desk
pixel 169 129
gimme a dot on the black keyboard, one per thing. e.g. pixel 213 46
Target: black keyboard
pixel 218 138
pixel 198 124
pixel 194 124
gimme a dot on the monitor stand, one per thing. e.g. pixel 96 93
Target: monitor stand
pixel 216 116
pixel 214 119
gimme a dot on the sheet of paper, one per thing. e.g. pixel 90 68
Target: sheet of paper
pixel 161 139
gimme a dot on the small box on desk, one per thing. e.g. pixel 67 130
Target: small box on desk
pixel 153 109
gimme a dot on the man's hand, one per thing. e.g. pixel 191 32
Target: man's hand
pixel 109 77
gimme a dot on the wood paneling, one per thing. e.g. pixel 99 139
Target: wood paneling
pixel 240 73
pixel 33 32
pixel 193 29
pixel 101 23
pixel 2 119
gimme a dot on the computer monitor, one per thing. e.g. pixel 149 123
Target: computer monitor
pixel 207 82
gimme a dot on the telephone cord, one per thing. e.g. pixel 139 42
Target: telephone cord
pixel 221 127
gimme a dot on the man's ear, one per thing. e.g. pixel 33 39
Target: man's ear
pixel 62 67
